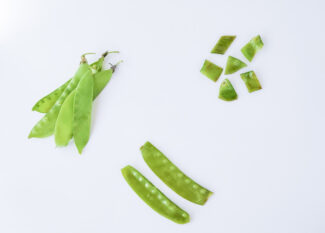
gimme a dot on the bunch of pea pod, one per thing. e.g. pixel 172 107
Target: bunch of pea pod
pixel 68 108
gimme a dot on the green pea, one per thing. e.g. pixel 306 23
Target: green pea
pixel 172 176
pixel 212 71
pixel 64 123
pixel 45 127
pixel 82 110
pixel 46 103
pixel 233 65
pixel 223 44
pixel 252 47
pixel 153 196
pixel 227 91
pixel 251 81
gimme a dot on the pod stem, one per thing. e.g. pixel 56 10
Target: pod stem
pixel 108 52
pixel 113 67
pixel 83 58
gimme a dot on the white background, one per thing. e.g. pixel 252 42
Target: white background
pixel 262 155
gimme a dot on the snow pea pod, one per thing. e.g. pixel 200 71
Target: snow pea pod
pixel 64 123
pixel 252 47
pixel 46 103
pixel 172 176
pixel 153 196
pixel 45 127
pixel 227 91
pixel 223 44
pixel 212 71
pixel 233 65
pixel 251 81
pixel 82 110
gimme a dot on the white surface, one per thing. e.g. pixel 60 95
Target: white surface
pixel 262 155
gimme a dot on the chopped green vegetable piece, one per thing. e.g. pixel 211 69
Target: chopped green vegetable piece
pixel 252 47
pixel 153 196
pixel 251 81
pixel 223 44
pixel 211 70
pixel 233 65
pixel 173 176
pixel 227 91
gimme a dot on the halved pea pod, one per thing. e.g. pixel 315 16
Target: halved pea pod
pixel 252 47
pixel 233 65
pixel 251 81
pixel 211 70
pixel 153 196
pixel 223 44
pixel 172 176
pixel 227 91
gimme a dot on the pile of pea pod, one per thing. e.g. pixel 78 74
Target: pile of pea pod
pixel 68 108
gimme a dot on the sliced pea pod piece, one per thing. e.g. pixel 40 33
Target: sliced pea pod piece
pixel 211 70
pixel 233 65
pixel 153 196
pixel 47 102
pixel 252 47
pixel 172 176
pixel 251 81
pixel 227 91
pixel 223 44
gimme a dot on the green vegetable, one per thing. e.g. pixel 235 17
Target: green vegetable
pixel 252 47
pixel 45 127
pixel 153 196
pixel 46 103
pixel 172 176
pixel 251 81
pixel 227 91
pixel 82 110
pixel 233 65
pixel 211 70
pixel 64 123
pixel 223 44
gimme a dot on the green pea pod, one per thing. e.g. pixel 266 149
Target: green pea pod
pixel 251 81
pixel 45 127
pixel 223 44
pixel 64 123
pixel 227 91
pixel 172 176
pixel 212 71
pixel 233 65
pixel 100 81
pixel 252 47
pixel 153 196
pixel 46 103
pixel 82 110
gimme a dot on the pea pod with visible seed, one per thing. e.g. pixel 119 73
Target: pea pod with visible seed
pixel 82 110
pixel 153 196
pixel 64 124
pixel 172 176
pixel 227 91
pixel 45 127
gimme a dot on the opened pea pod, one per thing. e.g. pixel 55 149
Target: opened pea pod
pixel 172 176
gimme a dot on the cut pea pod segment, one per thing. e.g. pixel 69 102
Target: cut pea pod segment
pixel 233 65
pixel 223 44
pixel 211 70
pixel 227 91
pixel 153 196
pixel 251 81
pixel 172 176
pixel 252 47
